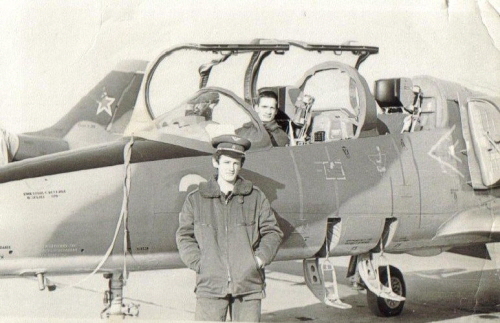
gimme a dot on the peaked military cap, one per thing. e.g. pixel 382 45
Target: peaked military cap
pixel 231 143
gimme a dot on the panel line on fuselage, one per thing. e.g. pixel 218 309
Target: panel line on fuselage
pixel 299 182
pixel 419 180
pixel 396 149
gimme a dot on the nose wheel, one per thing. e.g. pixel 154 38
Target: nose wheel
pixel 383 306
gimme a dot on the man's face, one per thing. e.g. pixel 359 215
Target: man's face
pixel 266 109
pixel 228 168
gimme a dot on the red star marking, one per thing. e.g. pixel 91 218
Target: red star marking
pixel 105 105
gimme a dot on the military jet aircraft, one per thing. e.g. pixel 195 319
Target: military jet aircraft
pixel 411 168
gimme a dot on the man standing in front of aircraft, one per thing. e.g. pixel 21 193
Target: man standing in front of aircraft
pixel 267 108
pixel 227 234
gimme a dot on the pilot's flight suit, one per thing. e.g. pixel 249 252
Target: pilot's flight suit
pixel 219 237
pixel 279 138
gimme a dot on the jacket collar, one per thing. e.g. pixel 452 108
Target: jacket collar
pixel 212 189
pixel 271 125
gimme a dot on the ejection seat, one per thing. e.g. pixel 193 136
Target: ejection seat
pixel 344 107
pixel 396 97
pixel 420 102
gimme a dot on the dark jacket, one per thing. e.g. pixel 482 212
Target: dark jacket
pixel 279 138
pixel 220 241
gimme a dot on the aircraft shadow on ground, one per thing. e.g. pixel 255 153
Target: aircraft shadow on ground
pixel 432 295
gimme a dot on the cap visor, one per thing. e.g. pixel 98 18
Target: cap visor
pixel 232 153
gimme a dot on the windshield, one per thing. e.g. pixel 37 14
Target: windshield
pixel 207 114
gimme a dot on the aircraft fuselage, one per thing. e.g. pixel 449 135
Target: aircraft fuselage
pixel 62 210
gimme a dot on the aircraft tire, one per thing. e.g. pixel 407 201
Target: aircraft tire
pixel 385 307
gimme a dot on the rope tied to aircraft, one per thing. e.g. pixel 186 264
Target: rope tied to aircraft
pixel 127 153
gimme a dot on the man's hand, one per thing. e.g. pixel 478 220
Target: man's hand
pixel 260 263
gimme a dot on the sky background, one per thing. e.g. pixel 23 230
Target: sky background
pixel 54 52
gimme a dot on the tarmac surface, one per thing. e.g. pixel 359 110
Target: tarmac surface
pixel 447 287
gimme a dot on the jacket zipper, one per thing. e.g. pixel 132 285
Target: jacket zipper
pixel 226 219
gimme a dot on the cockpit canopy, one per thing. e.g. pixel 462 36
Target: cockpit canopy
pixel 213 87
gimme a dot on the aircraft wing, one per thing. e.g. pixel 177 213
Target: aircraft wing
pixel 480 224
pixel 476 251
pixel 104 155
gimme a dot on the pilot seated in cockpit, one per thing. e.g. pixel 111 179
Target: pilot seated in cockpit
pixel 267 108
pixel 203 105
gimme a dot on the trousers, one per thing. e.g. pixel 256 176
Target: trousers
pixel 244 308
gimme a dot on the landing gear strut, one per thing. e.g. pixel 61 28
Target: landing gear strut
pixel 322 281
pixel 385 285
pixel 113 298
